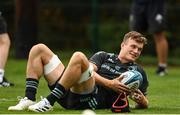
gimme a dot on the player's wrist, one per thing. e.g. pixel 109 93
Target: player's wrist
pixel 143 103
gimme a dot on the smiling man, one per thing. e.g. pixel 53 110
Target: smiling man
pixel 84 84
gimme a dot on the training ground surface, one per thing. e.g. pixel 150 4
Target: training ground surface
pixel 163 92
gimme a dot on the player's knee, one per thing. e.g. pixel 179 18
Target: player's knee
pixel 78 56
pixel 4 39
pixel 38 47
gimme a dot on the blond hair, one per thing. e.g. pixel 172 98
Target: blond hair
pixel 138 37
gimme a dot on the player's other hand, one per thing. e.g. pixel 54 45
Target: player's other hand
pixel 139 98
pixel 119 87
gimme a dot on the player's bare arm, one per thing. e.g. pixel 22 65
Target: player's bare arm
pixel 114 84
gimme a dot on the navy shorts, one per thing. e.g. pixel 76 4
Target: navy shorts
pixel 3 25
pixel 100 98
pixel 147 17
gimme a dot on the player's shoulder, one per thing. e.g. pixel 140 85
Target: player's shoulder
pixel 100 52
pixel 138 68
pixel 104 53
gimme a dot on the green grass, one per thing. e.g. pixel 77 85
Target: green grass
pixel 163 92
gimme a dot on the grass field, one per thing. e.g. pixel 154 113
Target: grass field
pixel 163 92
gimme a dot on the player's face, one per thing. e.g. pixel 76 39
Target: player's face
pixel 131 50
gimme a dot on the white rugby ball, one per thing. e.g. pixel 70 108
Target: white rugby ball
pixel 132 78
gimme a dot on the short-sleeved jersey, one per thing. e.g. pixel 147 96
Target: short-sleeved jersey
pixel 110 67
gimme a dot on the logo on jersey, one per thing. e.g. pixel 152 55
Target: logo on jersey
pixel 132 68
pixel 117 68
pixel 109 59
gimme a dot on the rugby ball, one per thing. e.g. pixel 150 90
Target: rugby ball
pixel 88 112
pixel 132 78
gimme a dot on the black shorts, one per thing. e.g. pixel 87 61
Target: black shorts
pixel 100 98
pixel 3 25
pixel 147 17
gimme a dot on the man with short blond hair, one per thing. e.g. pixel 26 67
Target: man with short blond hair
pixel 84 84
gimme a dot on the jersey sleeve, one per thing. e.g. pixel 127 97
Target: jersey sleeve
pixel 98 58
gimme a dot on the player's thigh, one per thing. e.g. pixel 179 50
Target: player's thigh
pixel 54 70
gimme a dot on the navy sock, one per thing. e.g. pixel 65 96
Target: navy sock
pixel 57 93
pixel 31 88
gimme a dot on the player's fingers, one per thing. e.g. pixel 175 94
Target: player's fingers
pixel 120 78
pixel 125 89
pixel 138 91
pixel 124 86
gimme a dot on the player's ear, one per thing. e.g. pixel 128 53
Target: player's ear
pixel 122 44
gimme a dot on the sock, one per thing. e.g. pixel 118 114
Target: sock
pixel 57 93
pixel 163 65
pixel 1 75
pixel 31 88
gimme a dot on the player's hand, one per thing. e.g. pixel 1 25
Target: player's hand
pixel 119 87
pixel 139 98
pixel 137 95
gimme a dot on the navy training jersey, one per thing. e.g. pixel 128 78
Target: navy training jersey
pixel 110 67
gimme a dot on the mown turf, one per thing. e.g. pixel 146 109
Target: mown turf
pixel 163 92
